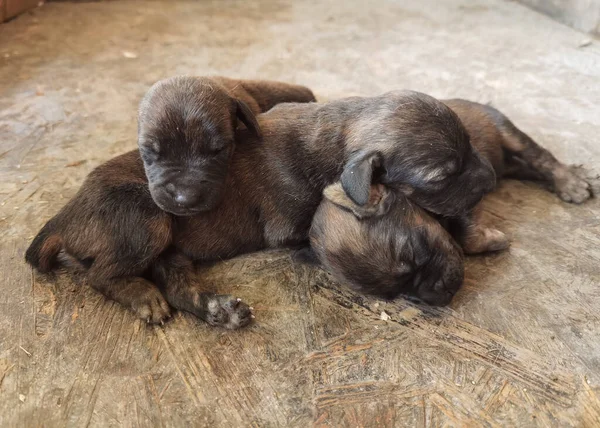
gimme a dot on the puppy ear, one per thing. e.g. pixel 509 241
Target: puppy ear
pixel 379 201
pixel 336 194
pixel 244 114
pixel 357 176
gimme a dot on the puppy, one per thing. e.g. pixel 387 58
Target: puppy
pixel 186 134
pixel 390 245
pixel 386 247
pixel 113 229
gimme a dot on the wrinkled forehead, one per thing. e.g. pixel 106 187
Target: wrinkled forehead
pixel 185 111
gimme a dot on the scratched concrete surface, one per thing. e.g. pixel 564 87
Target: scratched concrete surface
pixel 519 346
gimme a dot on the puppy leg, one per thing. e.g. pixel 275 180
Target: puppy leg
pixel 475 238
pixel 268 94
pixel 174 272
pixel 143 297
pixel 480 239
pixel 566 181
pixel 517 169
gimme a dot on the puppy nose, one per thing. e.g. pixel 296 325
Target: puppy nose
pixel 490 185
pixel 181 198
pixel 478 190
pixel 182 195
pixel 185 198
pixel 484 186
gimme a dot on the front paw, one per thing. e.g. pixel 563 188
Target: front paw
pixel 152 307
pixel 225 311
pixel 495 240
pixel 571 184
pixel 484 239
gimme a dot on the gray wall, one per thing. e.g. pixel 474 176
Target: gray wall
pixel 582 15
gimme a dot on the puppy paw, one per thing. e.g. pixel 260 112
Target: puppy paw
pixel 484 240
pixel 152 307
pixel 226 311
pixel 591 177
pixel 571 184
pixel 495 240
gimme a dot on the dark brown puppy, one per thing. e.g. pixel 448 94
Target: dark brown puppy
pixel 391 246
pixel 186 133
pixel 387 247
pixel 113 228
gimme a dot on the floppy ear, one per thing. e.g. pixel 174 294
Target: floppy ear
pixel 379 201
pixel 244 114
pixel 358 174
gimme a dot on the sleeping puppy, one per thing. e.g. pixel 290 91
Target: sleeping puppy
pixel 129 247
pixel 186 134
pixel 390 245
pixel 386 247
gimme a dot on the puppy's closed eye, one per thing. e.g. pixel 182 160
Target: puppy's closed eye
pixel 439 174
pixel 432 175
pixel 150 152
pixel 149 145
pixel 451 167
pixel 217 151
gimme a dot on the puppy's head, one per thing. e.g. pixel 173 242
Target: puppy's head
pixel 186 132
pixel 388 246
pixel 416 144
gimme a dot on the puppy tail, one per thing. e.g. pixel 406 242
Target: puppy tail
pixel 43 252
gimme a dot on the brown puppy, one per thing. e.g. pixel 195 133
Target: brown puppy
pixel 186 133
pixel 391 246
pixel 387 247
pixel 121 238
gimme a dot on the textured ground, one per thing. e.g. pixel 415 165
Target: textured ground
pixel 519 346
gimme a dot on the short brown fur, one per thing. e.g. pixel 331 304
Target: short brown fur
pixel 273 186
pixel 391 246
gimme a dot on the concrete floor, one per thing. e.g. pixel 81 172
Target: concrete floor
pixel 519 346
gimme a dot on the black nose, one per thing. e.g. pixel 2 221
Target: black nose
pixel 186 198
pixel 479 190
pixel 181 198
pixel 484 185
pixel 182 195
pixel 491 185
